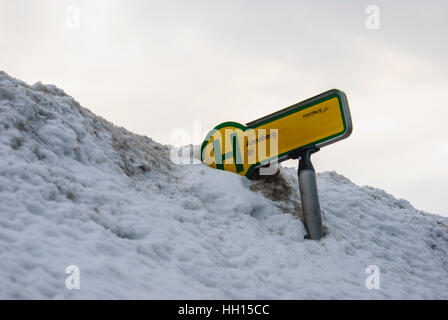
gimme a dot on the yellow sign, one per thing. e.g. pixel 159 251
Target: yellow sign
pixel 313 123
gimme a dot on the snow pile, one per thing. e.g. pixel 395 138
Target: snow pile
pixel 77 190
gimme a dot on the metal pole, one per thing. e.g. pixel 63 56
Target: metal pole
pixel 309 196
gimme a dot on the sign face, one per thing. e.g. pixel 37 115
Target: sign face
pixel 313 123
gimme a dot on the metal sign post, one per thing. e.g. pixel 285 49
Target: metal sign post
pixel 309 196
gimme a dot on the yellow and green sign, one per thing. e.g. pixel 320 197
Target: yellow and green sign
pixel 312 123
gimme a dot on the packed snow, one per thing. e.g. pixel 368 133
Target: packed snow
pixel 77 190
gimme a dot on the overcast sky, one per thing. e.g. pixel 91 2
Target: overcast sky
pixel 155 66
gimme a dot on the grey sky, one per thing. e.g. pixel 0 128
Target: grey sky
pixel 154 66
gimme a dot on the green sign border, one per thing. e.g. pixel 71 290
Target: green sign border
pixel 334 93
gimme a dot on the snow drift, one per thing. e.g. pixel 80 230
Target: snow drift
pixel 77 190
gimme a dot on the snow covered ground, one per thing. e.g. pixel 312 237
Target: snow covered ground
pixel 77 190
